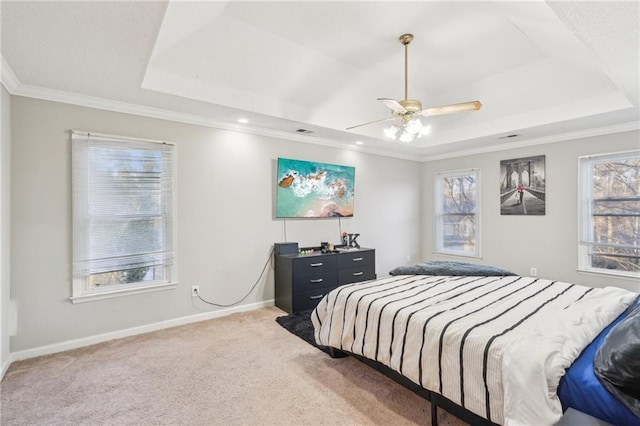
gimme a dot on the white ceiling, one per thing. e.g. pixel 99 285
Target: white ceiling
pixel 542 70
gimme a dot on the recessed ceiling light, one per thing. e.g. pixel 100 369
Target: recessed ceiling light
pixel 243 120
pixel 359 143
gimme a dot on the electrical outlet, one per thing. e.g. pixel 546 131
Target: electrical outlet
pixel 533 272
pixel 195 289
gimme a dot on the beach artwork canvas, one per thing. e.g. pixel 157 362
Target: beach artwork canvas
pixel 311 189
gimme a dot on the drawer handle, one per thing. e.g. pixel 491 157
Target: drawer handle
pixel 319 280
pixel 357 274
pixel 357 259
pixel 320 296
pixel 316 264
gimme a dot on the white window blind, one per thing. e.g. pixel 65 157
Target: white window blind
pixel 457 218
pixel 123 213
pixel 609 211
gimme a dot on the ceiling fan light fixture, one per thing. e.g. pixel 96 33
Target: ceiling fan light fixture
pixel 408 131
pixel 391 132
pixel 414 126
pixel 406 137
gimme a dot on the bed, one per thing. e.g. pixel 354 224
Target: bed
pixel 496 345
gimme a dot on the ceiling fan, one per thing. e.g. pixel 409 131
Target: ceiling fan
pixel 409 110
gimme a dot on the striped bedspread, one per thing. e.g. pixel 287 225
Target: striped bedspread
pixel 496 346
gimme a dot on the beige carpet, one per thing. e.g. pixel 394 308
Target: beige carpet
pixel 241 369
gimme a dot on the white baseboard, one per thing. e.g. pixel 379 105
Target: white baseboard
pixel 92 340
pixel 5 367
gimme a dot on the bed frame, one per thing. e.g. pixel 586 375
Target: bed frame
pixel 434 398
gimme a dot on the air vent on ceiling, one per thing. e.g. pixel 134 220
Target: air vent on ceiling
pixel 304 131
pixel 514 135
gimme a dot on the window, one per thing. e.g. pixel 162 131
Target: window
pixel 610 214
pixel 457 213
pixel 123 216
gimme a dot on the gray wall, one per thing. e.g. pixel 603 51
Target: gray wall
pixel 5 225
pixel 225 216
pixel 549 242
pixel 226 186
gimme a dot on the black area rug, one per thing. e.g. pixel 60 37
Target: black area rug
pixel 300 325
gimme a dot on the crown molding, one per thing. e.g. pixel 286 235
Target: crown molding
pixel 162 114
pixel 7 76
pixel 561 137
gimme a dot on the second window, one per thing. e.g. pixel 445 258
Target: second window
pixel 457 213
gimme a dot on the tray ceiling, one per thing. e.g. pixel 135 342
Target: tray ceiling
pixel 540 69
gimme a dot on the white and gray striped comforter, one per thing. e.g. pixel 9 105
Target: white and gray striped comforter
pixel 496 346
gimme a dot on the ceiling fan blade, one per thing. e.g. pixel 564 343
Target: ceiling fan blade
pixel 373 122
pixel 451 109
pixel 393 105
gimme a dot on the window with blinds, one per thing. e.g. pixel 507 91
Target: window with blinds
pixel 457 218
pixel 609 209
pixel 123 215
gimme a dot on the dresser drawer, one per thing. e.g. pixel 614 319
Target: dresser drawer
pixel 314 265
pixel 358 258
pixel 315 279
pixel 309 299
pixel 359 273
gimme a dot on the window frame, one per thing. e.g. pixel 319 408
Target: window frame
pixel 585 209
pixel 439 214
pixel 80 291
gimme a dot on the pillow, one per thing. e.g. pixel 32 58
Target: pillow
pixel 617 362
pixel 447 268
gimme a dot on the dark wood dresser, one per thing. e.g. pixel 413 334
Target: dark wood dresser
pixel 301 280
